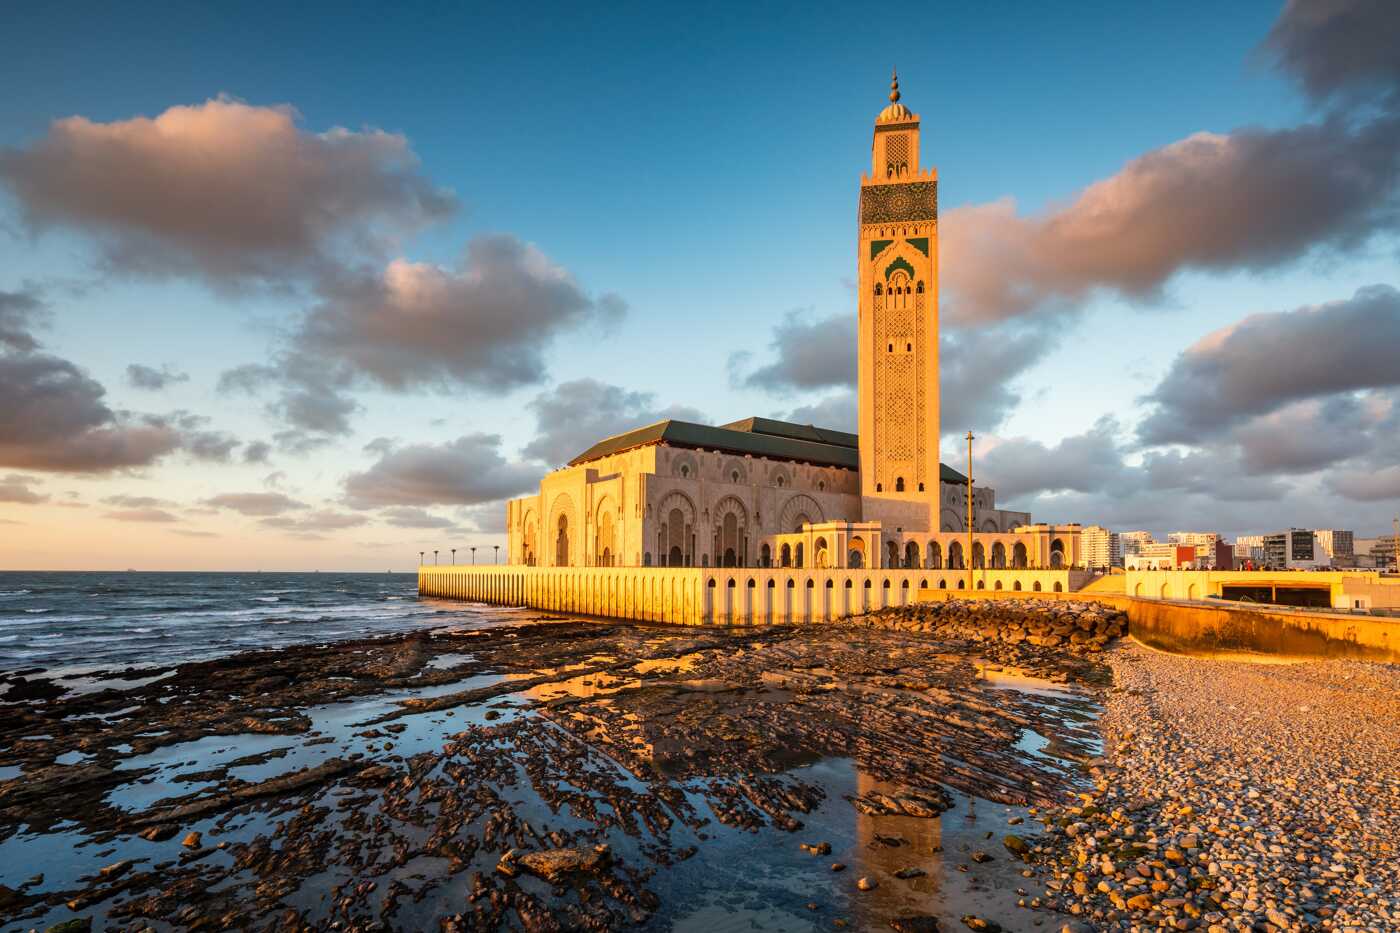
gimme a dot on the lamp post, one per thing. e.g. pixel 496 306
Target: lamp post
pixel 454 557
pixel 473 555
pixel 969 513
pixel 497 558
pixel 435 557
pixel 420 558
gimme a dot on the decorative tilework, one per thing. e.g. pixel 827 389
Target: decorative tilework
pixel 919 243
pixel 916 200
pixel 878 246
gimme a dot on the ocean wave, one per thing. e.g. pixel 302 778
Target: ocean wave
pixel 14 592
pixel 268 599
pixel 35 612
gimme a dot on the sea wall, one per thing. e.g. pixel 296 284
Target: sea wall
pixel 720 595
pixel 1228 628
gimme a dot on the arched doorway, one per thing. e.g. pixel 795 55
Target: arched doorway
pixel 935 556
pixel 785 555
pixel 766 556
pixel 999 556
pixel 675 558
pixel 979 556
pixel 855 556
pixel 892 555
pixel 561 543
pixel 1057 553
pixel 955 556
pixel 1018 555
pixel 911 555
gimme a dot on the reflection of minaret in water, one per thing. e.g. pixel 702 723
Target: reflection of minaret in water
pixel 922 848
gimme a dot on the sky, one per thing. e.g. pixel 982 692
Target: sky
pixel 319 287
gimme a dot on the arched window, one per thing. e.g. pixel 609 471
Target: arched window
pixel 891 349
pixel 821 485
pixel 879 289
pixel 899 484
pixel 908 348
pixel 921 487
pixel 782 481
pixel 879 487
pixel 919 289
pixel 561 543
pixel 646 559
pixel 685 471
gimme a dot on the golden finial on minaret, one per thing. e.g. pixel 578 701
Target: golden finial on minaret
pixel 894 86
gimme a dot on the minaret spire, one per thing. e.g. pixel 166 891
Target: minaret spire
pixel 894 85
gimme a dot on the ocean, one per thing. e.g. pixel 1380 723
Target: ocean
pixel 74 624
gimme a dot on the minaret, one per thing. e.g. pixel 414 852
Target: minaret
pixel 898 354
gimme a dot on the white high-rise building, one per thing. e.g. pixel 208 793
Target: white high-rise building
pixel 1101 548
pixel 1334 542
pixel 1133 541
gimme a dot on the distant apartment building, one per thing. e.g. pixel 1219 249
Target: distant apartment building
pixel 1249 549
pixel 1161 556
pixel 1335 543
pixel 1132 541
pixel 1294 549
pixel 1382 551
pixel 1211 551
pixel 1100 548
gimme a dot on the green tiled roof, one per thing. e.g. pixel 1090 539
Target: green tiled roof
pixel 761 437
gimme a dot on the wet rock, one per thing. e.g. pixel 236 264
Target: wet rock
pixel 1016 846
pixel 904 874
pixel 867 884
pixel 979 856
pixel 191 840
pixel 915 924
pixel 160 832
pixel 821 848
pixel 554 865
pixel 76 925
pixel 981 924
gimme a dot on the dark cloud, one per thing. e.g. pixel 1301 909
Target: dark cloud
pixel 465 471
pixel 1266 361
pixel 152 379
pixel 838 411
pixel 20 313
pixel 486 518
pixel 54 419
pixel 256 503
pixel 808 353
pixel 484 324
pixel 977 369
pixel 1091 462
pixel 1368 485
pixel 1308 436
pixel 157 516
pixel 311 397
pixel 405 516
pixel 236 193
pixel 257 452
pixel 312 524
pixel 137 502
pixel 574 415
pixel 1338 47
pixel 16 488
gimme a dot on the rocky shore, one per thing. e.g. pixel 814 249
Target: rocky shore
pixel 1078 627
pixel 1236 796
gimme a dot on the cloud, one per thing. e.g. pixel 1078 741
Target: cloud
pixel 977 369
pixel 257 452
pixel 484 324
pixel 808 353
pixel 1368 485
pixel 255 503
pixel 1091 462
pixel 16 488
pixel 151 379
pixel 312 524
pixel 465 471
pixel 1338 47
pixel 20 312
pixel 486 518
pixel 1253 199
pixel 54 419
pixel 1266 361
pixel 574 415
pixel 158 516
pixel 190 533
pixel 404 516
pixel 236 193
pixel 311 398
pixel 137 502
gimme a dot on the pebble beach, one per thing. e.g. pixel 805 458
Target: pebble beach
pixel 1235 796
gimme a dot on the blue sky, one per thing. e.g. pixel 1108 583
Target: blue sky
pixel 701 164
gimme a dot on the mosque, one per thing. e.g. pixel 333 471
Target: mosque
pixel 760 493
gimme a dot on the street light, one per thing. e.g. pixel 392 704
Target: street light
pixel 497 558
pixel 969 512
pixel 454 557
pixel 420 558
pixel 434 557
pixel 473 555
